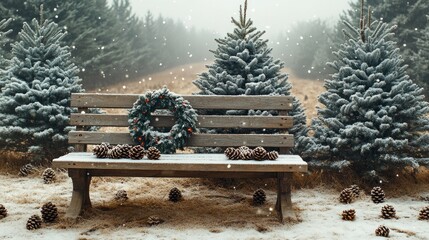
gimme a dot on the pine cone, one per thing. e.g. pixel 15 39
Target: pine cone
pixel 424 213
pixel 259 197
pixel 121 196
pixel 245 153
pixel 273 155
pixel 102 150
pixel 125 149
pixel 25 170
pixel 175 195
pixel 388 212
pixel 259 153
pixel 382 231
pixel 154 220
pixel 355 190
pixel 349 215
pixel 346 196
pixel 377 195
pixel 49 212
pixel 3 211
pixel 137 152
pixel 34 222
pixel 48 176
pixel 153 153
pixel 232 153
pixel 115 152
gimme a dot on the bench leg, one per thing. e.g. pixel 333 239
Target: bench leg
pixel 80 196
pixel 284 202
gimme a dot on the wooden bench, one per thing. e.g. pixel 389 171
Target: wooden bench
pixel 82 165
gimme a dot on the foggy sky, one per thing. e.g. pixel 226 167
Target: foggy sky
pixel 274 16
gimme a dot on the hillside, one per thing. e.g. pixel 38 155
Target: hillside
pixel 179 80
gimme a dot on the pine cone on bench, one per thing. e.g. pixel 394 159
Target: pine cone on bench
pixel 232 153
pixel 125 149
pixel 259 153
pixel 273 155
pixel 137 152
pixel 153 153
pixel 245 153
pixel 102 150
pixel 115 152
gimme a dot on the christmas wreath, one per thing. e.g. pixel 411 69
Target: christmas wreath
pixel 145 135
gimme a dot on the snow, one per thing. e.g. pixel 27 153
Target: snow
pixel 209 211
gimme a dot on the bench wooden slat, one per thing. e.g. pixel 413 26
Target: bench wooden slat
pixel 101 100
pixel 204 121
pixel 183 162
pixel 196 140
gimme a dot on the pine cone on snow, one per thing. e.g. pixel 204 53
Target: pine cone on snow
pixel 48 175
pixel 154 220
pixel 121 196
pixel 25 170
pixel 259 197
pixel 102 150
pixel 3 211
pixel 137 152
pixel 259 153
pixel 49 212
pixel 355 190
pixel 34 222
pixel 382 231
pixel 388 212
pixel 424 213
pixel 377 195
pixel 153 153
pixel 346 196
pixel 349 215
pixel 273 155
pixel 175 195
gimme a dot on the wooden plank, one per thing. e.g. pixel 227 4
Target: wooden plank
pixel 196 140
pixel 183 162
pixel 101 100
pixel 204 121
pixel 178 174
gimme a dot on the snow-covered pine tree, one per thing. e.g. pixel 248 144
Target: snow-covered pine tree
pixel 35 101
pixel 243 65
pixel 374 117
pixel 422 59
pixel 3 41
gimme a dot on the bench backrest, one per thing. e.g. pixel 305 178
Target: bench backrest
pixel 282 104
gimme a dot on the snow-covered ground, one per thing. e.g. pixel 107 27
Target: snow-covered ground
pixel 209 211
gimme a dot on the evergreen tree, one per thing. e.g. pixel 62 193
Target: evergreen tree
pixel 410 18
pixel 243 65
pixel 3 41
pixel 422 60
pixel 374 117
pixel 35 101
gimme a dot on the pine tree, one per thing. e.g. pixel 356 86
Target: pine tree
pixel 35 101
pixel 422 59
pixel 3 41
pixel 374 117
pixel 243 65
